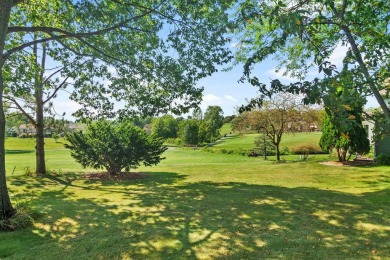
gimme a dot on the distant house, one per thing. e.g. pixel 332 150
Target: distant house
pixel 13 131
pixel 383 145
pixel 27 129
pixel 369 127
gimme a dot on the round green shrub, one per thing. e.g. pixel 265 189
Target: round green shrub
pixel 114 146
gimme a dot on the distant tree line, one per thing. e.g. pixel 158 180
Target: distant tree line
pixel 196 129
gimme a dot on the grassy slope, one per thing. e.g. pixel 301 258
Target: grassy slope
pixel 246 141
pixel 204 205
pixel 21 155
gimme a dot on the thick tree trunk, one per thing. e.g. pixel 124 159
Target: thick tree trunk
pixel 6 209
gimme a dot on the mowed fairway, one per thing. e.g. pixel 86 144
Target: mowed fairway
pixel 202 205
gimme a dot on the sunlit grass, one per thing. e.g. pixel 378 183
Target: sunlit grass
pixel 200 205
pixel 20 156
pixel 246 141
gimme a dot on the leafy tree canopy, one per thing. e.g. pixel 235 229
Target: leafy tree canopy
pixel 304 34
pixel 189 131
pixel 165 127
pixel 148 54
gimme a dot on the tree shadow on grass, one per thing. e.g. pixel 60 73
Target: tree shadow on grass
pixel 18 151
pixel 164 217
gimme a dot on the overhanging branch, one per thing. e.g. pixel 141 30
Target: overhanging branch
pixel 63 33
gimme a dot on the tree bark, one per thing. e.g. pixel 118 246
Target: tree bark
pixel 277 152
pixel 40 163
pixel 40 141
pixel 6 209
pixel 339 154
pixel 265 147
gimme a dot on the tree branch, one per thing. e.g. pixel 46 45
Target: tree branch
pixel 64 34
pixel 55 90
pixel 30 118
pixel 153 10
pixel 51 75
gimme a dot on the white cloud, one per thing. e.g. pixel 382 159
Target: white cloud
pixel 273 74
pixel 211 99
pixel 228 97
pixel 225 102
pixel 234 45
pixel 338 55
pixel 69 107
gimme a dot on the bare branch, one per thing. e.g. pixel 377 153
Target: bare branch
pixel 30 118
pixel 55 91
pixel 51 75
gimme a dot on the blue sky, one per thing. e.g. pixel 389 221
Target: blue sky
pixel 223 89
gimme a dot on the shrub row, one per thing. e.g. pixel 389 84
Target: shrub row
pixel 307 149
pixel 303 149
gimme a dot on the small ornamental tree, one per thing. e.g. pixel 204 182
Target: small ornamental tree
pixel 114 146
pixel 265 145
pixel 353 141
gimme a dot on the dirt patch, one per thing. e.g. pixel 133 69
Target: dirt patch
pixel 349 163
pixel 123 176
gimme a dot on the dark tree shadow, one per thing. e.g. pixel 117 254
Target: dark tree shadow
pixel 164 217
pixel 18 151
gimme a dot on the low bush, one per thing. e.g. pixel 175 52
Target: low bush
pixel 306 149
pixel 383 159
pixel 284 151
pixel 174 141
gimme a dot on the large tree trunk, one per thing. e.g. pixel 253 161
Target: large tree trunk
pixel 40 163
pixel 6 209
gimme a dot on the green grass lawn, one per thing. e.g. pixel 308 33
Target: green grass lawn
pixel 20 156
pixel 200 205
pixel 237 142
pixel 226 129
